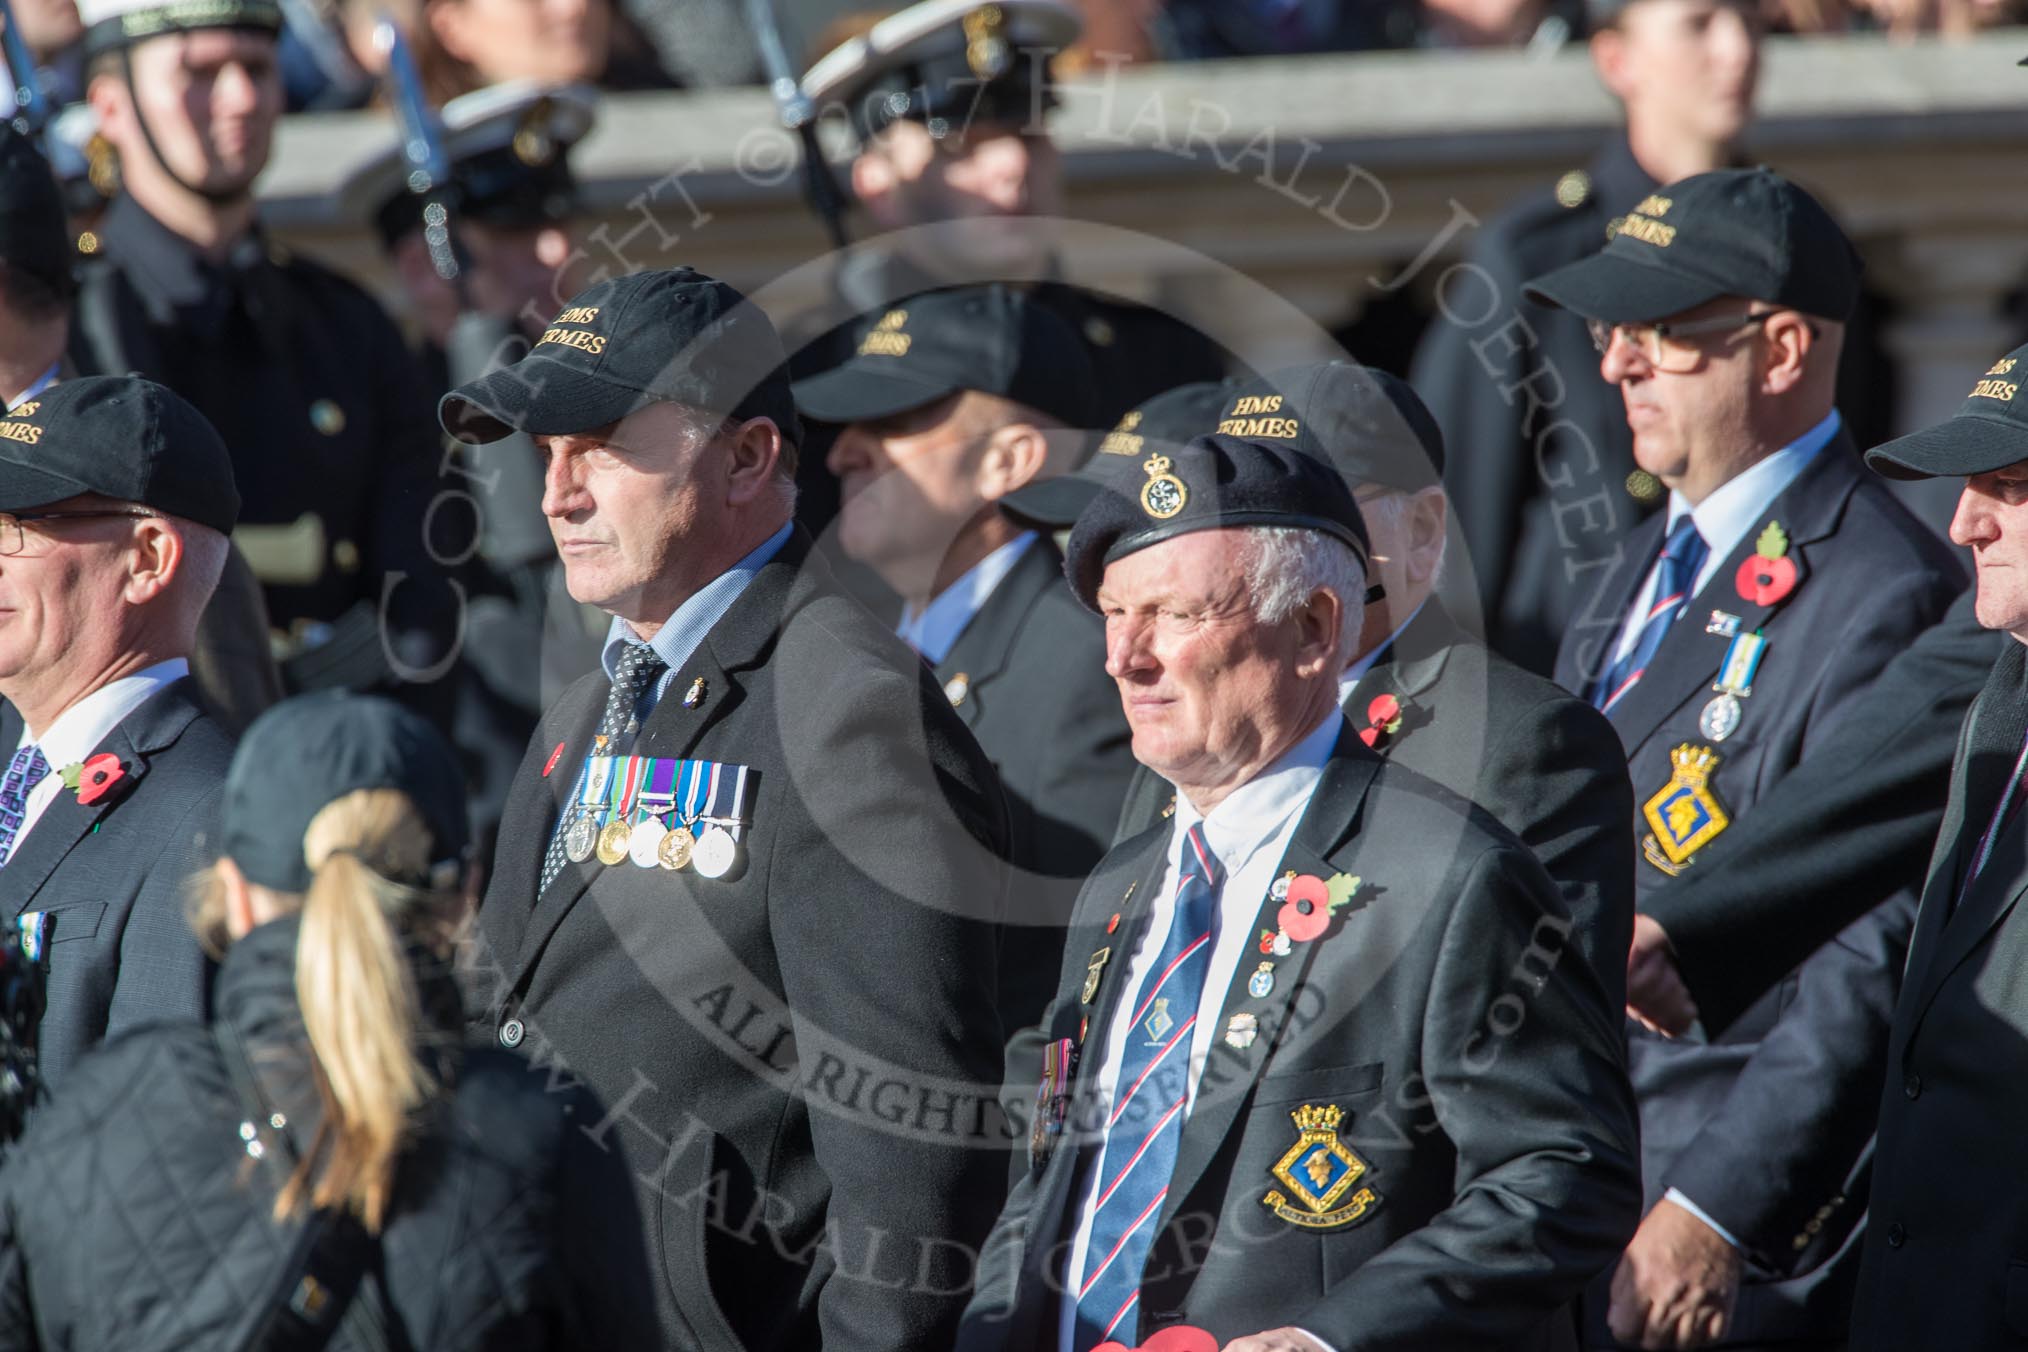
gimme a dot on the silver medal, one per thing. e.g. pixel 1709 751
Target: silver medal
pixel 716 853
pixel 645 844
pixel 1720 717
pixel 580 838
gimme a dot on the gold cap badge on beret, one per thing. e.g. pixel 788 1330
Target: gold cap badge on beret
pixel 1164 494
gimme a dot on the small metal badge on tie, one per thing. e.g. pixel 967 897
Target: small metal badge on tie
pixel 1240 1031
pixel 956 688
pixel 1093 971
pixel 695 694
pixel 1262 983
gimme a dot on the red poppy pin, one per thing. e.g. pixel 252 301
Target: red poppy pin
pixel 95 778
pixel 1175 1338
pixel 1383 720
pixel 1768 574
pixel 1311 902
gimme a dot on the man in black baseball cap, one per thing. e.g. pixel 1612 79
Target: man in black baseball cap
pixel 951 402
pixel 1739 624
pixel 35 270
pixel 759 786
pixel 1162 423
pixel 1309 911
pixel 115 502
pixel 1546 765
pixel 1942 1151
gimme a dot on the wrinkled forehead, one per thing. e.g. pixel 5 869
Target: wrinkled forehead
pixel 1195 570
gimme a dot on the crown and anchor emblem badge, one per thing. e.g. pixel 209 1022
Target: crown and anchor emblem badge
pixel 1685 815
pixel 1322 1175
pixel 1164 494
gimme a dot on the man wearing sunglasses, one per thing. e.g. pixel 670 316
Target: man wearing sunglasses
pixel 1731 633
pixel 116 501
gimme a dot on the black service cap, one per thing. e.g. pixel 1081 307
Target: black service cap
pixel 1990 432
pixel 1212 483
pixel 928 346
pixel 671 335
pixel 307 752
pixel 1731 232
pixel 1363 422
pixel 1157 427
pixel 34 233
pixel 121 437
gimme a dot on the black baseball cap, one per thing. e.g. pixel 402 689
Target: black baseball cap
pixel 1731 232
pixel 1211 483
pixel 1990 432
pixel 929 346
pixel 671 335
pixel 1363 422
pixel 1165 422
pixel 306 753
pixel 34 234
pixel 121 437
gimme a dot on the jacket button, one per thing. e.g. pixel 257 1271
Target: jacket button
pixel 1896 1236
pixel 1912 1086
pixel 511 1033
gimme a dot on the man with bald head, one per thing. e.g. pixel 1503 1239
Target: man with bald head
pixel 116 498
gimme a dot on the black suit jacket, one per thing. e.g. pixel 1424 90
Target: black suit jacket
pixel 110 878
pixel 1503 1161
pixel 1854 823
pixel 1946 1262
pixel 1545 765
pixel 1028 677
pixel 800 1060
pixel 1765 1127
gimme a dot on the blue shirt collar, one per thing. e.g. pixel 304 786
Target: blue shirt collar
pixel 1357 671
pixel 677 639
pixel 1737 506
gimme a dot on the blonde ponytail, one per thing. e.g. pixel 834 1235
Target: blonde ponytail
pixel 361 1007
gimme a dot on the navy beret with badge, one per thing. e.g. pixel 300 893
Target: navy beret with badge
pixel 509 149
pixel 305 753
pixel 1731 232
pixel 120 437
pixel 929 346
pixel 1212 483
pixel 945 64
pixel 671 335
pixel 1159 425
pixel 1989 432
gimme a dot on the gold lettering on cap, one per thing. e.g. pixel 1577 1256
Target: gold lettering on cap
pixel 1647 231
pixel 1133 420
pixel 28 434
pixel 1998 368
pixel 584 340
pixel 1255 403
pixel 1996 389
pixel 26 409
pixel 886 339
pixel 1655 205
pixel 1121 443
pixel 578 314
pixel 1270 429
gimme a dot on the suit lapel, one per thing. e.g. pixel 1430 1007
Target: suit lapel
pixel 1229 1072
pixel 1406 669
pixel 985 644
pixel 1579 667
pixel 740 641
pixel 1687 663
pixel 66 821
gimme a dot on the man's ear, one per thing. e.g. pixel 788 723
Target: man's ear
pixel 1427 519
pixel 755 455
pixel 1320 622
pixel 156 557
pixel 1609 59
pixel 873 183
pixel 1790 339
pixel 1015 456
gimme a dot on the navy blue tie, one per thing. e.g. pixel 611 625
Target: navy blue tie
pixel 24 772
pixel 1683 555
pixel 1146 1122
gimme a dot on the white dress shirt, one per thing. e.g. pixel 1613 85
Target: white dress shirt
pixel 1247 834
pixel 934 630
pixel 1734 509
pixel 78 730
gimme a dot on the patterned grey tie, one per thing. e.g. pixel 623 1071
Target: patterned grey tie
pixel 638 669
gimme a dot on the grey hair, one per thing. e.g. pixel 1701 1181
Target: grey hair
pixel 1385 514
pixel 1287 565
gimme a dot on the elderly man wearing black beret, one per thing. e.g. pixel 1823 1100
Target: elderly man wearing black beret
pixel 1307 1085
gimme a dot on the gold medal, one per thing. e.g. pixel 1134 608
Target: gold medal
pixel 612 846
pixel 676 848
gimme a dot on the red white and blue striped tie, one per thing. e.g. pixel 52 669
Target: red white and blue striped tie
pixel 1146 1121
pixel 1683 555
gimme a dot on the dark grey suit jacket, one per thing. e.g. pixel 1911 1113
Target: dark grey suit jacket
pixel 1767 1127
pixel 1547 766
pixel 801 1059
pixel 1489 1102
pixel 111 878
pixel 1946 1261
pixel 1028 677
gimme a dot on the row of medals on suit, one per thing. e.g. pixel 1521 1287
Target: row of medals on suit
pixel 648 843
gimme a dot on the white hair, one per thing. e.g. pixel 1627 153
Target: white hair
pixel 1287 565
pixel 1387 513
